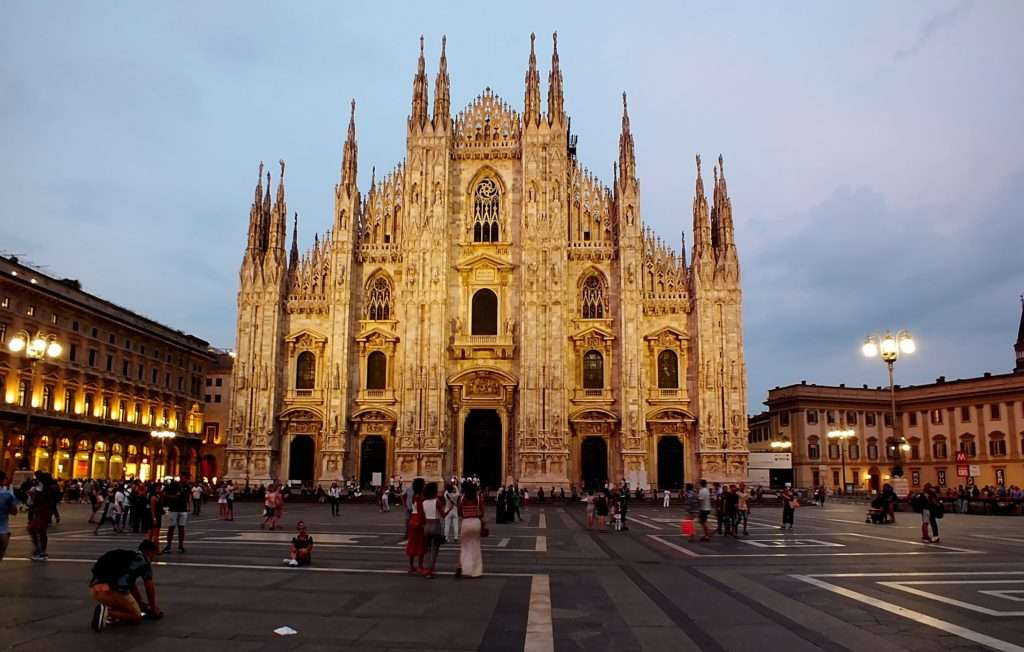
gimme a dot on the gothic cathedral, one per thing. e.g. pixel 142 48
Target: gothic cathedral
pixel 489 307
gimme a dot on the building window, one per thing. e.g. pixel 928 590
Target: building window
pixel 69 401
pixel 167 381
pixel 89 404
pixel 209 382
pixel 47 397
pixel 915 449
pixel 812 416
pixel 936 417
pixel 3 333
pixel 993 410
pixel 853 451
pixel 870 419
pixel 997 445
pixel 939 449
pixel 219 382
pixel 833 451
pixel 592 298
pixel 813 449
pixel 912 418
pixel 305 371
pixel 207 398
pixel 965 413
pixel 784 418
pixel 110 363
pixel 872 449
pixel 54 318
pixel 154 375
pixel 106 407
pixel 110 338
pixel 152 417
pixel 830 416
pixel 968 445
pixel 668 370
pixel 125 367
pixel 74 325
pixel 593 370
pixel 376 370
pixel 122 411
pixel 141 371
pixel 378 300
pixel 486 211
pixel 24 393
pixel 92 357
pixel 137 412
pixel 216 398
pixel 31 311
pixel 888 419
pixel 95 332
pixel 851 418
pixel 485 313
pixel 5 302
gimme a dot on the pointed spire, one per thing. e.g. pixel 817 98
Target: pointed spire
pixel 701 227
pixel 255 217
pixel 265 216
pixel 349 156
pixel 531 103
pixel 627 156
pixel 721 213
pixel 278 218
pixel 442 103
pixel 556 102
pixel 1019 347
pixel 293 258
pixel 682 249
pixel 419 93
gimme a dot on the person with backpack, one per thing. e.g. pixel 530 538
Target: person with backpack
pixel 114 589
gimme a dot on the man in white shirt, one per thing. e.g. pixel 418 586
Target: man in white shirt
pixel 120 508
pixel 197 499
pixel 704 498
pixel 666 498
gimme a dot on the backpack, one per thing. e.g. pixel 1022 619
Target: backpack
pixel 112 565
pixel 919 502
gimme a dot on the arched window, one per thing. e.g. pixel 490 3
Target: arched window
pixel 939 449
pixel 592 298
pixel 593 370
pixel 968 445
pixel 305 371
pixel 997 444
pixel 485 313
pixel 668 370
pixel 813 448
pixel 378 300
pixel 915 448
pixel 376 371
pixel 486 211
pixel 853 452
pixel 872 449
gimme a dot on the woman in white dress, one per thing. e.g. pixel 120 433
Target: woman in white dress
pixel 471 512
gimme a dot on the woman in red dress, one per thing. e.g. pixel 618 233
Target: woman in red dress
pixel 414 533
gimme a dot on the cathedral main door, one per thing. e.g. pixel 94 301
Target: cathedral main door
pixel 670 463
pixel 301 462
pixel 594 462
pixel 372 459
pixel 481 455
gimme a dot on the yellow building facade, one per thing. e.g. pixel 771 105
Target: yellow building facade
pixel 489 307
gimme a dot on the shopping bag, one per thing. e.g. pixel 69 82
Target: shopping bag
pixel 687 527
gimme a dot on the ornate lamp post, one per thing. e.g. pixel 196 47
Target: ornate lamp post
pixel 163 436
pixel 34 349
pixel 842 436
pixel 782 446
pixel 889 348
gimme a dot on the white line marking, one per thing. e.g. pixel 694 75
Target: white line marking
pixel 542 522
pixel 916 616
pixel 685 551
pixel 504 542
pixel 636 519
pixel 918 574
pixel 1006 539
pixel 909 543
pixel 541 545
pixel 540 635
pixel 902 586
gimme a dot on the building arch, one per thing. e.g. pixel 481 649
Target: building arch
pixel 378 296
pixel 484 312
pixel 592 289
pixel 668 369
pixel 376 370
pixel 305 370
pixel 486 199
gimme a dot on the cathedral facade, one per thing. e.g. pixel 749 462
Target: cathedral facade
pixel 489 307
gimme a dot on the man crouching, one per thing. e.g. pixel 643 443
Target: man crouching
pixel 114 589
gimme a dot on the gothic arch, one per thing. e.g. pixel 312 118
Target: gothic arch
pixel 294 412
pixel 592 291
pixel 492 228
pixel 378 297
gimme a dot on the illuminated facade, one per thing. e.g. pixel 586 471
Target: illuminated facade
pixel 489 307
pixel 119 376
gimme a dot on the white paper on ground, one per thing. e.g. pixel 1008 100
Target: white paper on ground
pixel 285 630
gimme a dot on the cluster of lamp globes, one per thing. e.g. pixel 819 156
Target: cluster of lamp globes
pixel 888 346
pixel 37 347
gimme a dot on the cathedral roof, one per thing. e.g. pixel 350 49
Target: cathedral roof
pixel 488 127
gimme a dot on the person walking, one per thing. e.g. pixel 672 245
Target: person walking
pixel 110 513
pixel 334 496
pixel 41 500
pixel 231 500
pixel 930 506
pixel 197 499
pixel 471 512
pixel 414 529
pixel 704 502
pixel 589 500
pixel 8 508
pixel 269 506
pixel 176 500
pixel 789 504
pixel 156 512
pixel 743 507
pixel 692 506
pixel 451 513
pixel 730 509
pixel 113 586
pixel 433 537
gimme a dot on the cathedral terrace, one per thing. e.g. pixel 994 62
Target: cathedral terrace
pixel 489 307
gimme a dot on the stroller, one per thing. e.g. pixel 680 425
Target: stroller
pixel 876 512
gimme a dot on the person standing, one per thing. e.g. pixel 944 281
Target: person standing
pixel 789 505
pixel 730 508
pixel 156 513
pixel 176 500
pixel 624 505
pixel 743 507
pixel 451 513
pixel 704 502
pixel 8 508
pixel 692 506
pixel 231 500
pixel 433 537
pixel 931 510
pixel 222 501
pixel 41 501
pixel 197 499
pixel 589 500
pixel 334 496
pixel 666 498
pixel 471 511
pixel 414 530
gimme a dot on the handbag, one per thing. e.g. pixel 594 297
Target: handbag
pixel 687 527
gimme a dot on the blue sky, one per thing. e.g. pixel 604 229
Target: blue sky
pixel 873 150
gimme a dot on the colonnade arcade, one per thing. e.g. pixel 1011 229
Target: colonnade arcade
pixel 99 455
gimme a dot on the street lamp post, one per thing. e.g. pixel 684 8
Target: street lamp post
pixel 842 436
pixel 889 348
pixel 34 349
pixel 163 436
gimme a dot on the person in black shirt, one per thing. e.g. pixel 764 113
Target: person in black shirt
pixel 302 548
pixel 114 589
pixel 176 497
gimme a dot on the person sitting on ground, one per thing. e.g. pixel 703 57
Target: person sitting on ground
pixel 302 548
pixel 114 590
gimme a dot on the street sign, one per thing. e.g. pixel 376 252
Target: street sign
pixel 962 471
pixel 975 471
pixel 961 457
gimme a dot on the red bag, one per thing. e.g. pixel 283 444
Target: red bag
pixel 686 527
